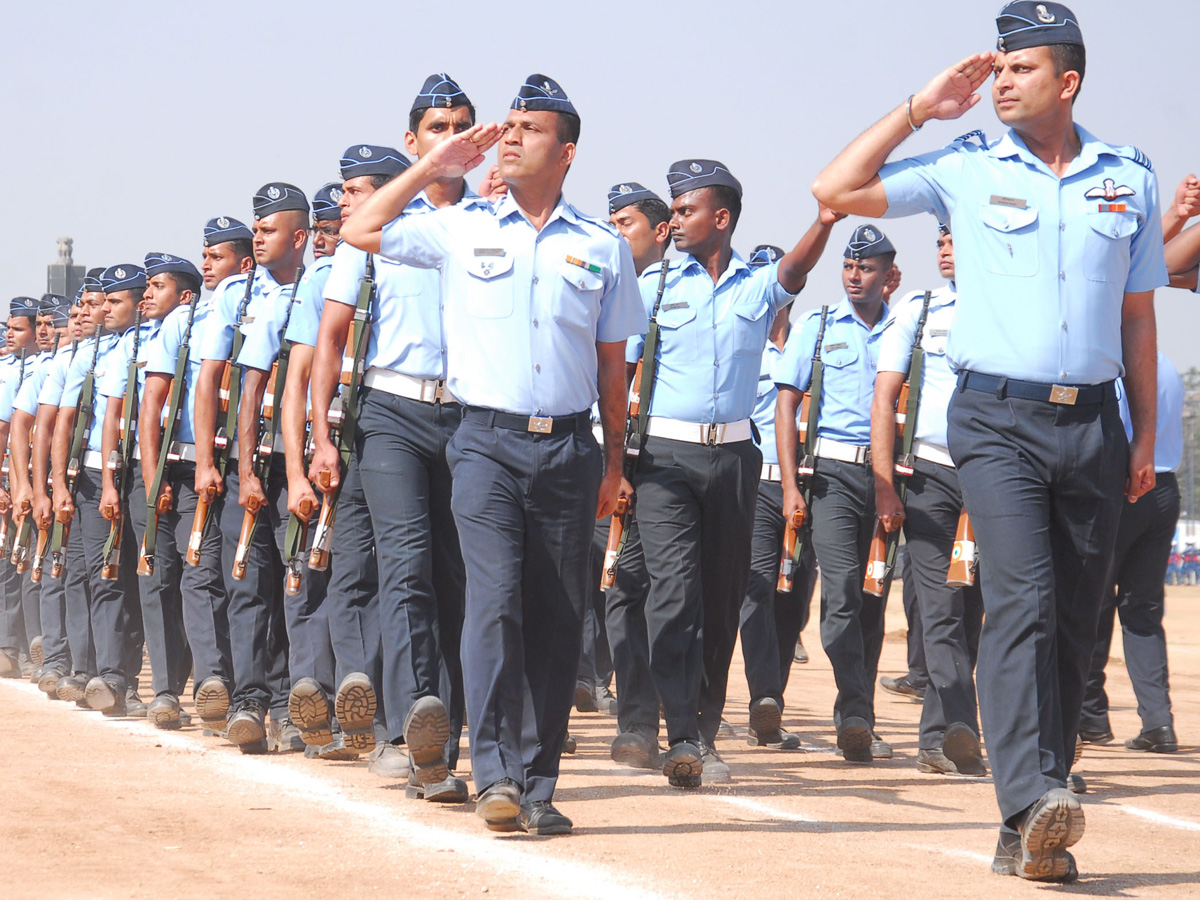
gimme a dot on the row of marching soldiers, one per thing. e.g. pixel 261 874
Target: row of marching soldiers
pixel 252 486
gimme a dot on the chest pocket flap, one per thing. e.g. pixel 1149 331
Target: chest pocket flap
pixel 580 278
pixel 1114 225
pixel 838 354
pixel 675 318
pixel 1006 218
pixel 489 267
pixel 1009 242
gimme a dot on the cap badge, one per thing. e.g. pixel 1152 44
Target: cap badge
pixel 335 195
pixel 696 168
pixel 273 192
pixel 364 152
pixel 625 189
pixel 166 257
pixel 120 273
pixel 549 90
pixel 869 234
pixel 1044 15
pixel 222 222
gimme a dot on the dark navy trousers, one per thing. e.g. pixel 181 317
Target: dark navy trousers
pixel 406 480
pixel 950 616
pixel 770 622
pixel 696 519
pixel 525 506
pixel 918 672
pixel 595 659
pixel 1044 486
pixel 1139 569
pixel 843 515
pixel 629 636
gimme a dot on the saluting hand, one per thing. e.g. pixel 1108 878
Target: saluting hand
pixel 1187 198
pixel 952 93
pixel 893 284
pixel 463 152
pixel 827 216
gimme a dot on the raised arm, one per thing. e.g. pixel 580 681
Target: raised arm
pixel 801 259
pixel 1183 258
pixel 850 184
pixel 450 159
pixel 1186 205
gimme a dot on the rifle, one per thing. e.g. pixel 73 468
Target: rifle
pixel 22 523
pixel 122 457
pixel 884 545
pixel 228 396
pixel 169 451
pixel 640 394
pixel 964 559
pixel 810 409
pixel 343 416
pixel 268 427
pixel 84 409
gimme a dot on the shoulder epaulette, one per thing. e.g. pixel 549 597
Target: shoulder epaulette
pixel 593 220
pixel 1133 153
pixel 965 139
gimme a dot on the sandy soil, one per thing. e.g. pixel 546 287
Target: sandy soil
pixel 100 808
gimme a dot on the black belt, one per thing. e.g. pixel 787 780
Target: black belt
pixel 581 421
pixel 1061 394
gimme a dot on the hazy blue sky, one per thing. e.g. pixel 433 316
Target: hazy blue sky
pixel 129 124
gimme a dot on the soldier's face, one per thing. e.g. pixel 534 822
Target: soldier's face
pixel 1024 86
pixel 162 295
pixel 275 236
pixel 529 147
pixel 93 308
pixel 633 225
pixel 325 237
pixel 78 324
pixel 45 335
pixel 697 221
pixel 354 192
pixel 945 256
pixel 21 334
pixel 437 125
pixel 118 310
pixel 218 263
pixel 864 279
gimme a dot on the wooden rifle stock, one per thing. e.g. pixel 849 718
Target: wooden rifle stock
pixel 616 532
pixel 787 562
pixel 146 560
pixel 24 528
pixel 39 555
pixel 58 558
pixel 318 559
pixel 249 520
pixel 110 571
pixel 199 520
pixel 964 559
pixel 877 567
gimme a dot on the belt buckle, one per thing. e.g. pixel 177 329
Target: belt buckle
pixel 1064 394
pixel 439 392
pixel 712 434
pixel 540 424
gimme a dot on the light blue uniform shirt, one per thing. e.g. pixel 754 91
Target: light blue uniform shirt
pixel 264 335
pixel 710 338
pixel 112 385
pixel 56 377
pixel 764 404
pixel 310 301
pixel 938 379
pixel 522 320
pixel 850 351
pixel 24 396
pixel 216 338
pixel 30 394
pixel 164 349
pixel 107 361
pixel 1168 430
pixel 407 333
pixel 1041 264
pixel 10 386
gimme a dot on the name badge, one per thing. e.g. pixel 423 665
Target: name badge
pixel 1014 202
pixel 489 251
pixel 681 305
pixel 938 332
pixel 840 345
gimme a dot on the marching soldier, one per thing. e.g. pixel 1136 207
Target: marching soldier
pixel 950 617
pixel 1059 253
pixel 540 300
pixel 326 219
pixel 843 499
pixel 644 220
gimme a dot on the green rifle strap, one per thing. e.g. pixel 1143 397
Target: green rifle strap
pixel 84 408
pixel 125 442
pixel 649 362
pixel 268 430
pixel 815 390
pixel 235 377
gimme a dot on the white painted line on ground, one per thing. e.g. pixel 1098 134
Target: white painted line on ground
pixel 511 856
pixel 762 809
pixel 951 851
pixel 1160 819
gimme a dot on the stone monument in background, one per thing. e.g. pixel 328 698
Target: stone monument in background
pixel 63 276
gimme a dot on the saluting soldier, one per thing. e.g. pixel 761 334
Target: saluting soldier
pixel 843 497
pixel 949 616
pixel 540 300
pixel 1059 252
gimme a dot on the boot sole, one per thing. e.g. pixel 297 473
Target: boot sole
pixel 212 705
pixel 309 711
pixel 1057 826
pixel 961 747
pixel 166 718
pixel 247 733
pixel 355 707
pixel 684 771
pixel 70 692
pixel 855 742
pixel 766 719
pixel 100 698
pixel 426 731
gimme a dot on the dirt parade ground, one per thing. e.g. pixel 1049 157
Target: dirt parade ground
pixel 113 808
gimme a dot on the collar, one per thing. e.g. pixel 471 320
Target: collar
pixel 845 311
pixel 563 210
pixel 736 265
pixel 422 203
pixel 1090 150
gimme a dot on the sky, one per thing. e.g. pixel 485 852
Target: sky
pixel 130 124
